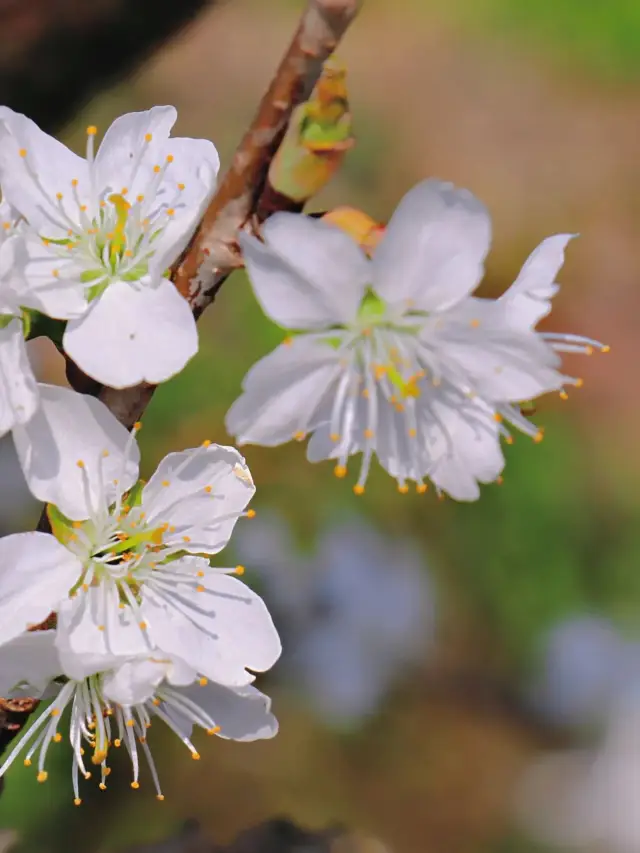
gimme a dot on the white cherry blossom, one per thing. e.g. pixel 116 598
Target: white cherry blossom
pixel 102 232
pixel 125 569
pixel 115 706
pixel 392 357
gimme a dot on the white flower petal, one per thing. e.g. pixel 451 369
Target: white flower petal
pixel 126 156
pixel 465 449
pixel 528 299
pixel 18 386
pixel 133 334
pixel 433 249
pixel 67 428
pixel 53 284
pixel 135 681
pixel 94 634
pixel 195 166
pixel 307 274
pixel 28 663
pixel 36 574
pixel 220 631
pixel 243 713
pixel 200 492
pixel 283 392
pixel 34 168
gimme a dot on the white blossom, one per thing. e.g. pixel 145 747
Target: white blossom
pixel 125 568
pixel 116 706
pixel 392 356
pixel 103 230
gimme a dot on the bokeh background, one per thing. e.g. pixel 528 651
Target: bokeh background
pixel 435 652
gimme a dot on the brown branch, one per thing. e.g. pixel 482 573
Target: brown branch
pixel 213 253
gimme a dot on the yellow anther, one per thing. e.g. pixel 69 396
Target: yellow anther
pixel 195 756
pixel 240 570
pixel 142 739
pixel 509 439
pixel 135 785
pixel 538 436
pixel 421 488
pixel 500 480
pixel 117 743
pixel 22 152
pixel 101 628
pixel 605 348
pixel 172 529
pixel 142 625
pixel 57 737
pixel 169 158
pixel 102 786
pixel 413 432
pixel 203 681
pixel 74 182
pixel 55 712
pixel 124 190
pixel 200 588
pixel 80 463
pixel 99 756
pixel 128 253
pixel 588 351
pixel 137 426
pixel 148 137
pixel 497 417
pixel 87 775
pixel 334 436
pixel 200 574
pixel 186 539
pixel 358 489
pixel 83 208
pixel 564 395
pixel 181 187
pixel 27 762
pixel 59 196
pixel 379 371
pixel 208 489
pixel 214 730
pixel 474 323
pixel 299 436
pixel 42 776
pixel 77 801
pixel 287 341
pixel 340 471
pixel 6 225
pixel 368 433
pixel 171 211
pixel 399 407
pixel 92 130
pixel 157 169
pixel 365 393
pixel 251 513
pixel 160 797
pixel 578 383
pixel 165 483
pixel 403 488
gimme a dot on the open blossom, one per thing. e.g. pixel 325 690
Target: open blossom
pixel 393 356
pixel 124 568
pixel 116 705
pixel 102 232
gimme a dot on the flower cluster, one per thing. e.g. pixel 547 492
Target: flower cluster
pixel 134 622
pixel 115 612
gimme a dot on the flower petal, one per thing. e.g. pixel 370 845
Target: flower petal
pixel 133 334
pixel 221 632
pixel 95 634
pixel 34 170
pixel 195 165
pixel 464 447
pixel 528 299
pixel 53 284
pixel 283 392
pixel 134 682
pixel 18 386
pixel 307 274
pixel 130 149
pixel 433 249
pixel 67 428
pixel 28 663
pixel 200 493
pixel 242 713
pixel 36 574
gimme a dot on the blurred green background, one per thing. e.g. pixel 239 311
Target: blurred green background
pixel 535 107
